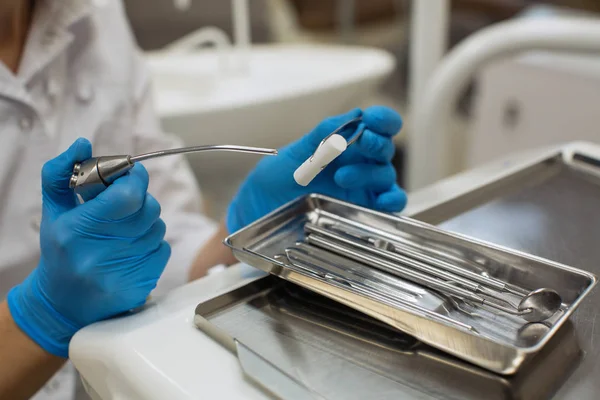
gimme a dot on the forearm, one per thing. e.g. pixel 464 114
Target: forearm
pixel 213 253
pixel 24 366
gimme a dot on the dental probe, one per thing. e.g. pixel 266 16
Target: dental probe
pixel 92 176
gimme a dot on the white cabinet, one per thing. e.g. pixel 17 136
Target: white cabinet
pixel 534 100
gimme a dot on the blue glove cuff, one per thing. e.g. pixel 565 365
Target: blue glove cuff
pixel 38 319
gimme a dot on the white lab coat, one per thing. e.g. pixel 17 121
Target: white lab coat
pixel 81 76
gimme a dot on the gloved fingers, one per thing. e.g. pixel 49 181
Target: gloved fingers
pixel 393 200
pixel 159 258
pixel 374 146
pixel 382 120
pixel 366 176
pixel 132 226
pixel 144 219
pixel 152 238
pixel 150 266
pixel 56 173
pixel 306 146
pixel 376 142
pixel 146 264
pixel 124 198
pixel 139 250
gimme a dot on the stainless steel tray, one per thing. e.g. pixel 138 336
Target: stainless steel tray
pixel 499 343
pixel 300 345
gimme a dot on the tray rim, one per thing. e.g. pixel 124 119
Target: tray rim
pixel 466 182
pixel 269 282
pixel 523 350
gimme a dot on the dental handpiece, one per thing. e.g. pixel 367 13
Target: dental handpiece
pixel 93 176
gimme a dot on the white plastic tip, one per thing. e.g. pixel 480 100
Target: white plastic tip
pixel 326 153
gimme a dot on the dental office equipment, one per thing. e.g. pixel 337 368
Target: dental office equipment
pixel 466 322
pixel 302 258
pixel 429 153
pixel 534 306
pixel 92 176
pixel 327 151
pixel 259 331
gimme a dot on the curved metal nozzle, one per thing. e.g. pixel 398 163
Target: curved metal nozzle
pixel 92 176
pixel 197 149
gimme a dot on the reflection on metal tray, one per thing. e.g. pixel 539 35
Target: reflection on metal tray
pixel 545 207
pixel 334 352
pixel 551 210
pixel 479 334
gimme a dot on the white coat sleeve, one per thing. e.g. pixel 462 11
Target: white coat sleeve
pixel 173 184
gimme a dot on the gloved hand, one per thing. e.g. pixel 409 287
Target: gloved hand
pixel 363 174
pixel 98 259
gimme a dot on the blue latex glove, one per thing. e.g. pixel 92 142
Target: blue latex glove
pixel 98 259
pixel 363 174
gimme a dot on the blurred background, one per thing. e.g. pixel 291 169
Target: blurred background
pixel 308 59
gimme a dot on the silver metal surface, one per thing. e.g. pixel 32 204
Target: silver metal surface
pixel 386 290
pixel 94 175
pixel 547 208
pixel 435 250
pixel 494 341
pixel 414 276
pixel 339 130
pixel 456 272
pixel 86 176
pixel 536 306
pixel 271 378
pixel 345 266
pixel 391 255
pixel 542 303
pixel 198 149
pixel 342 354
pixel 550 210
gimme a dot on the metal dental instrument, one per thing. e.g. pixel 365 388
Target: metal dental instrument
pixel 291 258
pixel 542 302
pixel 92 176
pixel 443 269
pixel 355 268
pixel 426 268
pixel 537 306
pixel 328 150
pixel 427 298
pixel 430 249
pixel 344 126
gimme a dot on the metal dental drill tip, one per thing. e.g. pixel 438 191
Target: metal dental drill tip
pixel 94 175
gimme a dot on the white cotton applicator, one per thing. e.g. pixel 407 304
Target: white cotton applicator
pixel 328 151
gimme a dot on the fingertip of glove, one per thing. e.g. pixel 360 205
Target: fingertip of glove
pixel 80 150
pixel 130 197
pixel 392 201
pixel 376 146
pixel 81 141
pixel 125 197
pixel 383 120
pixel 165 249
pixel 153 205
pixel 160 259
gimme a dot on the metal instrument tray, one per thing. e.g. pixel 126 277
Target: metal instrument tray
pixel 500 343
pixel 300 345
